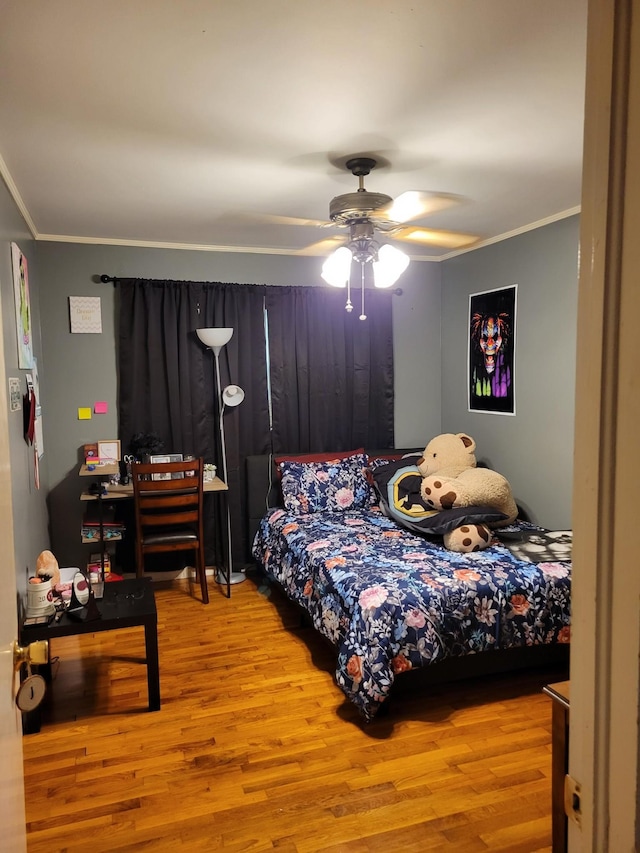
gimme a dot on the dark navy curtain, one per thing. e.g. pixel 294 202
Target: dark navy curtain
pixel 331 376
pixel 331 373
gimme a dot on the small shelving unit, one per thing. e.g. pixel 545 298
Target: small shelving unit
pixel 100 475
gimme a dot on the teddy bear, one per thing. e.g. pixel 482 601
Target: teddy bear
pixel 47 568
pixel 450 478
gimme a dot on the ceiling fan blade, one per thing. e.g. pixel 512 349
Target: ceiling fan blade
pixel 274 219
pixel 323 247
pixel 435 237
pixel 414 204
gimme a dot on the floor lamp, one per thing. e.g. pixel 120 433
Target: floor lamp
pixel 233 395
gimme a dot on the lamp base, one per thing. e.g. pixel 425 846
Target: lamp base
pixel 236 577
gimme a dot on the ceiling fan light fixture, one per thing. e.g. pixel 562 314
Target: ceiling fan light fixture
pixel 337 268
pixel 389 267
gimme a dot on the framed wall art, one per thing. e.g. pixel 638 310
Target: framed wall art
pixel 23 307
pixel 109 451
pixel 85 314
pixel 492 340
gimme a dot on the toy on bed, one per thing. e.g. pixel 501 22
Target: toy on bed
pixel 444 493
pixel 451 479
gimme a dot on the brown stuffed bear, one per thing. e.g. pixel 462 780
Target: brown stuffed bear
pixel 450 479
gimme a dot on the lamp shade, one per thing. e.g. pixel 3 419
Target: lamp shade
pixel 337 268
pixel 215 337
pixel 390 265
pixel 232 395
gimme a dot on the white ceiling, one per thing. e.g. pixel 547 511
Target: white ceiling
pixel 177 122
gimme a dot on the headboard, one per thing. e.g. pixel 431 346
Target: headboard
pixel 263 490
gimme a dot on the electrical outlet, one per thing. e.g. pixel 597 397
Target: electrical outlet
pixel 572 800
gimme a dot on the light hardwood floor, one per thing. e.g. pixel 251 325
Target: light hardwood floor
pixel 256 749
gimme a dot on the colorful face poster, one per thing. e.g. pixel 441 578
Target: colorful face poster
pixel 23 307
pixel 492 339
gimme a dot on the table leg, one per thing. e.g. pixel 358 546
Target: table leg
pixel 153 665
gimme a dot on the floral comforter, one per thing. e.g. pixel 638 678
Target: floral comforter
pixel 391 601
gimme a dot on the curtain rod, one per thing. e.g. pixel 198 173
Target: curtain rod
pixel 112 279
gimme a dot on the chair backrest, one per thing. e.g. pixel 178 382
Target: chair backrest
pixel 168 494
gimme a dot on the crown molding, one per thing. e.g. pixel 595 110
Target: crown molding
pixel 152 244
pixel 260 250
pixel 243 250
pixel 15 195
pixel 565 214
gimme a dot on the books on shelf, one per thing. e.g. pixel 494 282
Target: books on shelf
pixel 94 565
pixel 110 533
pixel 113 530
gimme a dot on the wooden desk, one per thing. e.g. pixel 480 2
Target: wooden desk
pixel 119 492
pixel 115 492
pixel 559 692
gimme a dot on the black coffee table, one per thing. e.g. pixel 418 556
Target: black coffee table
pixel 125 604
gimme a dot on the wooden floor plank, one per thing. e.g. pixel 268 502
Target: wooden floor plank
pixel 256 749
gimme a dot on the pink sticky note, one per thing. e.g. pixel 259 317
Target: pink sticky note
pixel 101 408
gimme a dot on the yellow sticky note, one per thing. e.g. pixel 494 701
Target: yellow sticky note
pixel 84 413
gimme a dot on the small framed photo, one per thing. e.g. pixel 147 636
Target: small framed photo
pixel 109 451
pixel 176 457
pixel 163 476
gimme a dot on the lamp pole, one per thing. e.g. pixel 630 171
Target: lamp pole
pixel 234 399
pixel 215 339
pixel 225 476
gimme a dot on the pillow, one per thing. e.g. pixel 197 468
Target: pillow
pixel 398 487
pixel 315 457
pixel 376 460
pixel 334 485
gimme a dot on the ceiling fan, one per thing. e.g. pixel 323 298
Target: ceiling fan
pixel 364 212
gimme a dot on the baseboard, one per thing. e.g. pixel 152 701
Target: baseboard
pixel 188 573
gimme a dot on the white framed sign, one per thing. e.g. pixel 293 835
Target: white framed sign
pixel 85 314
pixel 109 451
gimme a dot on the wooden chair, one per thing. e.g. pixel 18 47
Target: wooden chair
pixel 168 507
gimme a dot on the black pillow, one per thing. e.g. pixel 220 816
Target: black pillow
pixel 398 488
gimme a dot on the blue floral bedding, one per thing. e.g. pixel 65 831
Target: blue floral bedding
pixel 391 601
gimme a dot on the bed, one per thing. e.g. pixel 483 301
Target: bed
pixel 389 600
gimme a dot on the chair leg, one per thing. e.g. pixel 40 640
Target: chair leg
pixel 139 561
pixel 202 573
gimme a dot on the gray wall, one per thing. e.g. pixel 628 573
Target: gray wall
pixel 29 504
pixel 534 449
pixel 82 368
